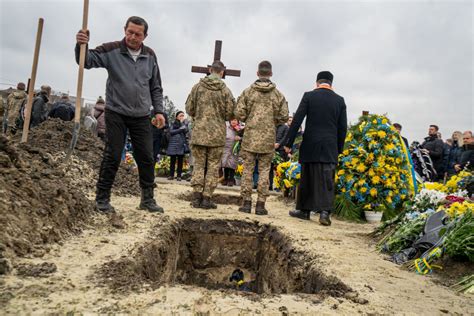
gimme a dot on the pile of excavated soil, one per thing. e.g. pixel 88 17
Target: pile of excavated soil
pixel 54 137
pixel 38 203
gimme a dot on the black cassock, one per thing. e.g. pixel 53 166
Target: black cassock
pixel 323 141
pixel 316 188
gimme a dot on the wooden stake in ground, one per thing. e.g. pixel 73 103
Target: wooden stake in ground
pixel 31 83
pixel 80 78
pixel 217 56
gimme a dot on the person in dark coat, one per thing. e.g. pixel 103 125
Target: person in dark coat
pixel 434 147
pixel 323 141
pixel 455 152
pixel 467 156
pixel 177 145
pixel 398 127
pixel 158 134
pixel 63 109
pixel 39 109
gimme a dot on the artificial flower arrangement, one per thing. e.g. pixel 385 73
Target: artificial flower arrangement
pixel 287 175
pixel 374 171
pixel 456 238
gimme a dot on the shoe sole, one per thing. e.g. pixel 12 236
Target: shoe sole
pixel 150 211
pixel 245 211
pixel 303 218
pixel 325 223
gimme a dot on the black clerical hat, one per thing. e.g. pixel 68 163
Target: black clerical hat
pixel 325 75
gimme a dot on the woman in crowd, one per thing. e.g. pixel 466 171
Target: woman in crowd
pixel 455 152
pixel 229 158
pixel 178 145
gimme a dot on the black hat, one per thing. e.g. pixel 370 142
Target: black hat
pixel 178 113
pixel 325 75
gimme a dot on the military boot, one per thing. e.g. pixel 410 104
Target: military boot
pixel 102 201
pixel 246 207
pixel 148 203
pixel 197 199
pixel 260 208
pixel 207 203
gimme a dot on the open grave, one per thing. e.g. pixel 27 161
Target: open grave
pixel 206 253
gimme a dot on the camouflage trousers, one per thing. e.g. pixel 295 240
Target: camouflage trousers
pixel 264 165
pixel 206 168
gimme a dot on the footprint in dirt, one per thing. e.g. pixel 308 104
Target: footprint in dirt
pixel 117 221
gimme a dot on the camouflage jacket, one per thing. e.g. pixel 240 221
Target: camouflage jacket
pixel 14 103
pixel 262 107
pixel 210 104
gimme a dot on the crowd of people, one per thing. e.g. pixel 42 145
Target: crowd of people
pixel 220 133
pixel 41 109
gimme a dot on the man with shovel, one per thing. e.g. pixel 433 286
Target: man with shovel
pixel 133 87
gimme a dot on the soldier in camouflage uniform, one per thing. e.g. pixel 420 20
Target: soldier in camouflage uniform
pixel 14 102
pixel 210 104
pixel 262 107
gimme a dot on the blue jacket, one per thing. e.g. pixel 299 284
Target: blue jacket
pixel 178 139
pixel 133 87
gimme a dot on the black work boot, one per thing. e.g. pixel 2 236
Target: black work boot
pixel 197 199
pixel 207 203
pixel 300 214
pixel 102 201
pixel 260 208
pixel 246 207
pixel 325 218
pixel 148 202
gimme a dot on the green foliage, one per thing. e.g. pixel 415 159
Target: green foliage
pixel 459 239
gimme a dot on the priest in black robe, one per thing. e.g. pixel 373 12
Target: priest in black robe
pixel 323 141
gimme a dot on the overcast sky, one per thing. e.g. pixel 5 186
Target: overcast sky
pixel 410 59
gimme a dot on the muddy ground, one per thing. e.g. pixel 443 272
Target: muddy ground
pixel 58 256
pixel 178 263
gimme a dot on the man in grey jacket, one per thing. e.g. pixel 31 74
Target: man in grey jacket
pixel 133 88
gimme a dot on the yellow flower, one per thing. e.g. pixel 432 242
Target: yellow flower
pixel 361 167
pixel 370 158
pixel 349 137
pixel 381 134
pixel 287 183
pixel 340 172
pixel 368 206
pixel 384 121
pixel 363 190
pixel 354 161
pixel 389 147
pixel 371 172
pixel 388 199
pixel 375 179
pixel 345 152
pixel 361 182
pixel 374 121
pixel 352 193
pixel 373 192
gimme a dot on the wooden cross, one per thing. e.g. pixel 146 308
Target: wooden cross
pixel 217 56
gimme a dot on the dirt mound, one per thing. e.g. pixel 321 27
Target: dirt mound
pixel 54 137
pixel 207 253
pixel 38 203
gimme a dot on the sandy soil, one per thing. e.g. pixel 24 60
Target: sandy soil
pixel 64 279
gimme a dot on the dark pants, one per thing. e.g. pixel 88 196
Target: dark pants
pixel 229 174
pixel 140 133
pixel 157 135
pixel 173 163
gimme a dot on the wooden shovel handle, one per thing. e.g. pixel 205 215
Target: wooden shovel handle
pixel 82 58
pixel 31 87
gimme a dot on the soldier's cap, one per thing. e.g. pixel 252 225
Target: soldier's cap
pixel 100 100
pixel 326 75
pixel 21 86
pixel 265 68
pixel 218 65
